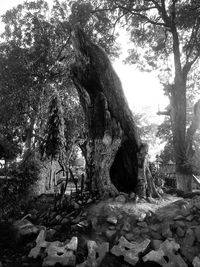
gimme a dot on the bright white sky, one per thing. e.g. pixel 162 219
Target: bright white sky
pixel 143 90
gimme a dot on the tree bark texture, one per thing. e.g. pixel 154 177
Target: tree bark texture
pixel 182 138
pixel 113 140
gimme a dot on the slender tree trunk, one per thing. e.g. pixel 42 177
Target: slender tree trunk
pixel 178 119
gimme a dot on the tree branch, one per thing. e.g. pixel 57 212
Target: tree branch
pixel 136 13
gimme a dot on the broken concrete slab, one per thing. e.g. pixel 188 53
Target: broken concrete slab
pixel 196 262
pixel 156 256
pixel 93 250
pixel 130 250
pixel 40 243
pixel 25 228
pixel 60 253
pixel 168 248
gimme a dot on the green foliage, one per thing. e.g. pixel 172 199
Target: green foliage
pixel 25 174
pixel 15 190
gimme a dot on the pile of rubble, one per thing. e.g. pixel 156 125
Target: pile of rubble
pixel 137 232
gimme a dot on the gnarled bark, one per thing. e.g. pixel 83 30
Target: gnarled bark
pixel 113 141
pixel 185 171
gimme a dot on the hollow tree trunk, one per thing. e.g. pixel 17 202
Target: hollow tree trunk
pixel 112 136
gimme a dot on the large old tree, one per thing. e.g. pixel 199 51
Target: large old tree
pixel 112 136
pixel 166 36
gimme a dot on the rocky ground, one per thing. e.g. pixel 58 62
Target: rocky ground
pixel 115 232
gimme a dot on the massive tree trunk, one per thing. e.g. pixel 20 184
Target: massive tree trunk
pixel 113 141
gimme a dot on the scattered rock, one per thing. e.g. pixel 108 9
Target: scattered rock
pixel 189 218
pixel 89 201
pixel 112 220
pixel 120 198
pixel 180 223
pixel 197 233
pixel 49 235
pixel 142 217
pixel 84 224
pixel 189 252
pixel 155 235
pixel 65 220
pixel 166 232
pixel 129 236
pixel 126 227
pixel 58 218
pixel 110 234
pixel 179 217
pixel 132 196
pixel 142 224
pixel 189 238
pixel 155 227
pixel 185 210
pixel 180 232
